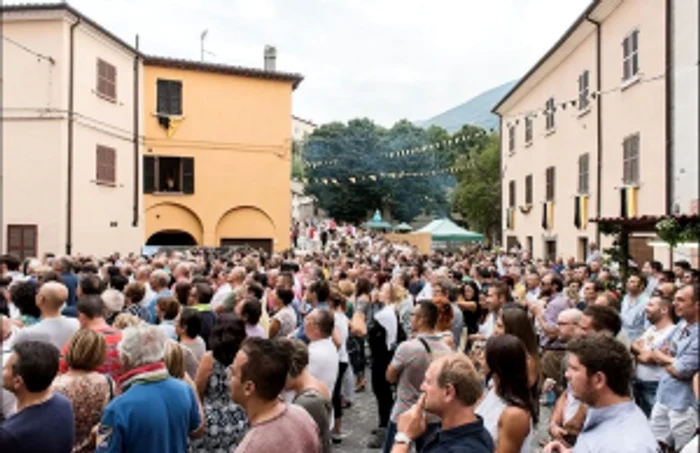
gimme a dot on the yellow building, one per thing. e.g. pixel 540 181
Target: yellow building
pixel 217 155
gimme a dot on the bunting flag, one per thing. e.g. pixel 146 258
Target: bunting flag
pixel 510 218
pixel 628 201
pixel 581 212
pixel 548 215
pixel 544 215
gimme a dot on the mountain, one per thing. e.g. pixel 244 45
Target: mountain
pixel 476 111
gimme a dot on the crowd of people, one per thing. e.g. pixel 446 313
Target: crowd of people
pixel 232 350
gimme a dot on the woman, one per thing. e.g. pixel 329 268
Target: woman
pixel 23 295
pixel 88 391
pixel 445 314
pixel 284 322
pixel 337 304
pixel 250 310
pixel 113 301
pixel 515 321
pixel 508 409
pixel 226 422
pixel 358 331
pixel 471 310
pixel 310 392
pixel 133 300
pixel 182 292
pixel 167 309
pixel 188 326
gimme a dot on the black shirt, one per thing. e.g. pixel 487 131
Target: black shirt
pixel 469 438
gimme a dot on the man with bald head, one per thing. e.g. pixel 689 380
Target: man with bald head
pixel 53 328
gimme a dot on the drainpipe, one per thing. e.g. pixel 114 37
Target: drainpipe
pixel 697 151
pixel 71 102
pixel 599 125
pixel 501 233
pixel 670 164
pixel 137 160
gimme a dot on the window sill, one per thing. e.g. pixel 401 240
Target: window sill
pixel 635 79
pixel 169 194
pixel 105 183
pixel 549 132
pixel 511 153
pixel 528 144
pixel 584 112
pixel 105 97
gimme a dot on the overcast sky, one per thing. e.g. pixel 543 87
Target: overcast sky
pixel 382 59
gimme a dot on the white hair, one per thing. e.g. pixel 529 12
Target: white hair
pixel 142 345
pixel 570 315
pixel 161 277
pixel 113 300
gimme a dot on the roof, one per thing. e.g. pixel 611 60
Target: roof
pixel 176 63
pixel 567 34
pixel 447 230
pixel 310 123
pixel 32 7
pixel 154 60
pixel 645 222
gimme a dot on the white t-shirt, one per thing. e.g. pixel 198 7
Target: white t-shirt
pixel 324 362
pixel 56 331
pixel 220 294
pixel 486 329
pixel 653 338
pixel 342 324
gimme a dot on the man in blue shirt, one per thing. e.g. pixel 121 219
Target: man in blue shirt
pixel 154 412
pixel 317 296
pixel 599 373
pixel 674 417
pixel 632 312
pixel 159 283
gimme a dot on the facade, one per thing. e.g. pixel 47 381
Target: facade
pixel 70 181
pixel 302 128
pixel 303 206
pixel 584 132
pixel 217 156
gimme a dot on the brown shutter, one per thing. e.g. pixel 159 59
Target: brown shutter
pixel 149 174
pixel 188 175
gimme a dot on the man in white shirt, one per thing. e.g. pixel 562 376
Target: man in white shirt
pixel 648 372
pixel 53 328
pixel 324 360
pixel 235 280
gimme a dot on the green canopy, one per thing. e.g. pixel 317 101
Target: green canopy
pixel 377 223
pixel 403 227
pixel 446 230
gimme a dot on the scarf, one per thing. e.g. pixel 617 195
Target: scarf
pixel 153 372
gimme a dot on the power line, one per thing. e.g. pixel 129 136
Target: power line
pixel 28 50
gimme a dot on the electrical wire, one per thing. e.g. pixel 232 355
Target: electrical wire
pixel 28 50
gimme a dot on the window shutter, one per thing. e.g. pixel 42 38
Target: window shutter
pixel 162 96
pixel 112 165
pixel 176 97
pixel 149 174
pixel 188 175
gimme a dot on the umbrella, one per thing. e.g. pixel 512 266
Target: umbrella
pixel 403 227
pixel 446 230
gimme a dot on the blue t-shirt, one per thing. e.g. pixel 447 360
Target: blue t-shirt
pixel 150 417
pixel 47 427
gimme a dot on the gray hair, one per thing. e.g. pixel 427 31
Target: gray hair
pixel 162 277
pixel 572 315
pixel 142 345
pixel 113 300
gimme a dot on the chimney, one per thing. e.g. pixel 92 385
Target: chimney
pixel 270 58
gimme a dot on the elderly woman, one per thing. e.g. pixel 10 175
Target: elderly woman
pixel 174 412
pixel 114 304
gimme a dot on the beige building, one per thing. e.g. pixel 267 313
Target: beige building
pixel 70 181
pixel 584 132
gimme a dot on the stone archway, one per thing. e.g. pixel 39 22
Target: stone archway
pixel 172 238
pixel 246 225
pixel 169 217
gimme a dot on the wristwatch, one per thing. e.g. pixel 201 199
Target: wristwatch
pixel 402 438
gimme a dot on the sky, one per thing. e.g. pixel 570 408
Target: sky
pixel 382 59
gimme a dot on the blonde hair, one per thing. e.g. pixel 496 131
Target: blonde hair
pixel 124 320
pixel 87 350
pixel 347 288
pixel 174 359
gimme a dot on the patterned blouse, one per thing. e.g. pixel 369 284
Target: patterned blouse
pixel 89 393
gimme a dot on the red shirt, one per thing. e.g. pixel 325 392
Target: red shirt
pixel 111 365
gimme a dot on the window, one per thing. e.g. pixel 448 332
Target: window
pixel 528 189
pixel 630 55
pixel 529 245
pixel 550 183
pixel 511 194
pixel 583 90
pixel 511 139
pixel 168 174
pixel 106 80
pixel 528 129
pixel 169 97
pixel 106 165
pixel 550 109
pixel 583 172
pixel 550 250
pixel 21 240
pixel 630 160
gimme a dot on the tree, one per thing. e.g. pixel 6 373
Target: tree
pixel 298 169
pixel 477 196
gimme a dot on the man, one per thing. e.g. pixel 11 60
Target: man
pixel 679 269
pixel 236 279
pixel 600 318
pixel 200 299
pixel 259 373
pixel 674 417
pixel 633 307
pixel 653 272
pixel 451 390
pixel 599 373
pixel 554 303
pixel 408 367
pixel 532 284
pixel 317 297
pixel 159 283
pixel 64 266
pixel 91 311
pixel 44 421
pixel 143 276
pixel 52 328
pixel 648 372
pixel 593 253
pixel 155 412
pixel 323 354
pixel 591 291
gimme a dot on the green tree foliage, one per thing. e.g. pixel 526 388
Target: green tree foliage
pixel 477 196
pixel 298 169
pixel 361 148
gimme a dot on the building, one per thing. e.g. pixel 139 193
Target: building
pixel 302 128
pixel 584 132
pixel 303 206
pixel 218 152
pixel 70 121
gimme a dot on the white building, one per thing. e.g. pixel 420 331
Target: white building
pixel 71 115
pixel 302 128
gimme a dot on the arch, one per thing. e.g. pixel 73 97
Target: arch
pixel 245 222
pixel 168 217
pixel 172 238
